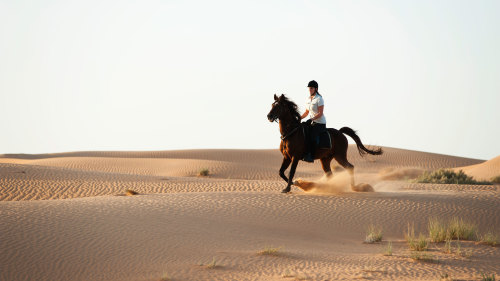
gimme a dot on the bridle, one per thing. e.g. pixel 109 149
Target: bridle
pixel 283 137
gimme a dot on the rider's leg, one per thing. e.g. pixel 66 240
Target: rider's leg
pixel 307 155
pixel 314 139
pixel 316 131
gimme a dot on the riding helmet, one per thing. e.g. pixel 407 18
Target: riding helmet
pixel 313 84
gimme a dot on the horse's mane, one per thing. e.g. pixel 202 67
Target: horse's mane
pixel 292 107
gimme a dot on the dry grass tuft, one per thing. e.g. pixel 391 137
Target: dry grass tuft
pixel 270 251
pixel 447 247
pixel 213 264
pixel 445 277
pixel 165 277
pixel 490 239
pixel 437 230
pixel 462 253
pixel 287 274
pixel 373 234
pixel 388 249
pixel 415 243
pixel 424 257
pixel 461 229
pixel 485 277
pixel 455 228
pixel 302 276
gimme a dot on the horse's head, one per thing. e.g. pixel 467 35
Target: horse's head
pixel 277 108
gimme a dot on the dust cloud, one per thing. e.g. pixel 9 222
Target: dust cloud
pixel 336 184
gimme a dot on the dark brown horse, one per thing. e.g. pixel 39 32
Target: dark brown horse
pixel 292 144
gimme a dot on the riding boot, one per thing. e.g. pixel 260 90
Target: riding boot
pixel 308 157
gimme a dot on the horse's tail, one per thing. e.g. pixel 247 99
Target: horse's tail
pixel 361 148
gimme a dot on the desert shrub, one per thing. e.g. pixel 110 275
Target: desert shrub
pixel 495 179
pixel 203 172
pixel 444 176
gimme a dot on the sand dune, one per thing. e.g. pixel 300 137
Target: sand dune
pixel 83 229
pixel 392 157
pixel 483 171
pixel 81 174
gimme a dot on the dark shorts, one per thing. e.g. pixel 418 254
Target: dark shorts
pixel 318 128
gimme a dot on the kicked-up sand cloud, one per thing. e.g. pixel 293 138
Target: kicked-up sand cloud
pixel 338 183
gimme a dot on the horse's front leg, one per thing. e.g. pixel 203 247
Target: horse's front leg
pixel 295 161
pixel 284 165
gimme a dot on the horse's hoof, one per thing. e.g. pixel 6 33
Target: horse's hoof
pixel 286 190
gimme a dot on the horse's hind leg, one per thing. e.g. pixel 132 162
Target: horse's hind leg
pixel 325 164
pixel 348 166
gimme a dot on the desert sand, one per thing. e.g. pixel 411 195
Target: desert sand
pixel 64 216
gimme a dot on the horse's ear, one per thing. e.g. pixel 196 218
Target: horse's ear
pixel 275 97
pixel 282 95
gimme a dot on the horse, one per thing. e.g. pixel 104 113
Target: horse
pixel 292 144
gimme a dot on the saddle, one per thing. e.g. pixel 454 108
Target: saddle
pixel 323 140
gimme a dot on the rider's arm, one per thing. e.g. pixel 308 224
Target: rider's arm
pixel 320 112
pixel 305 114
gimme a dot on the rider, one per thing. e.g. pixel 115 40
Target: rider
pixel 317 120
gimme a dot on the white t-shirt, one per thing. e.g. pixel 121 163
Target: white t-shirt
pixel 312 106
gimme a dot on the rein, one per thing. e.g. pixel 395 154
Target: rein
pixel 290 133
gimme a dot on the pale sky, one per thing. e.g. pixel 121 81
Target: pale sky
pixel 165 75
